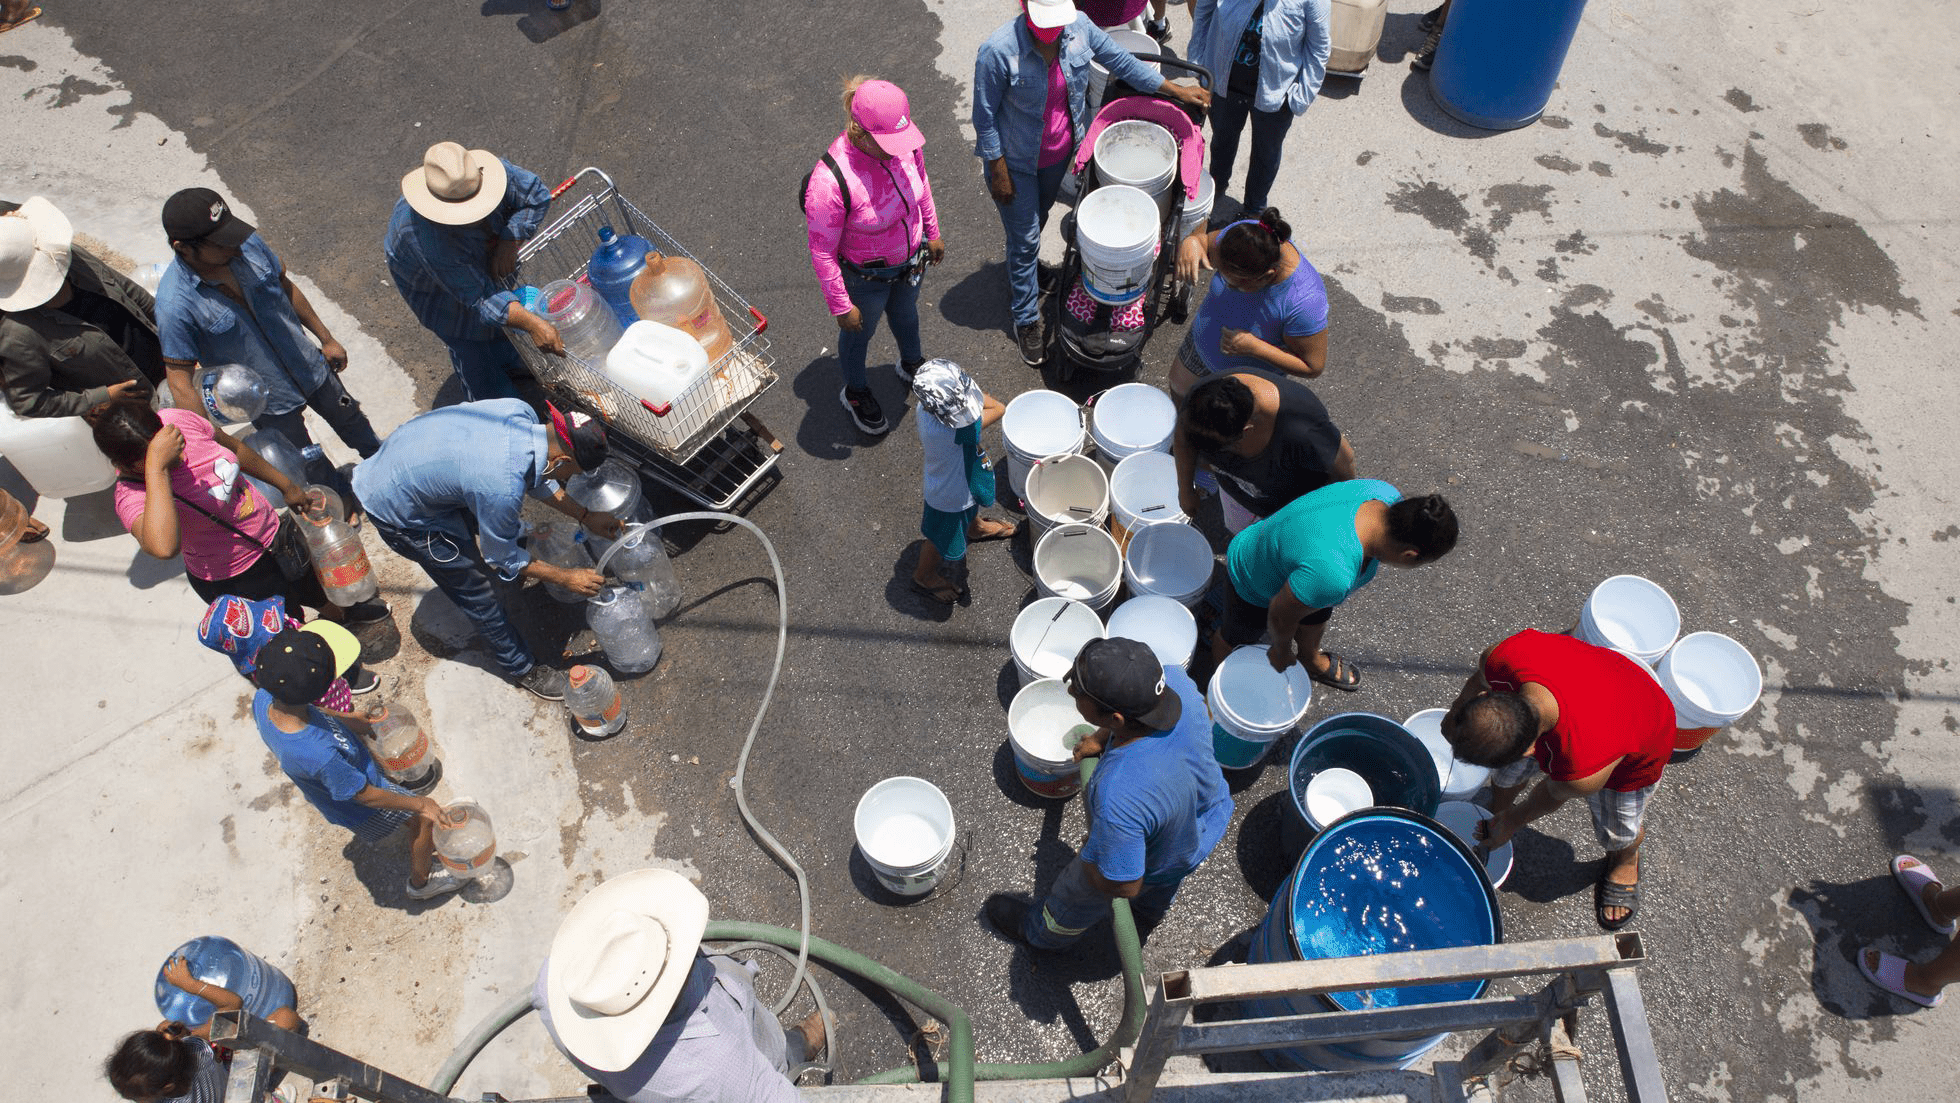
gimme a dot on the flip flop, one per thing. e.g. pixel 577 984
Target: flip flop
pixel 1913 876
pixel 1337 666
pixel 1891 976
pixel 32 14
pixel 996 534
pixel 1612 894
pixel 946 594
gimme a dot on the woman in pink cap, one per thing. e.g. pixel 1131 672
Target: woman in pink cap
pixel 873 230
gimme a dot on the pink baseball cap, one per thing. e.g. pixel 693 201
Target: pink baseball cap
pixel 880 107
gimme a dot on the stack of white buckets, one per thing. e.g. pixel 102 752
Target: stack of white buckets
pixel 1119 227
pixel 1711 679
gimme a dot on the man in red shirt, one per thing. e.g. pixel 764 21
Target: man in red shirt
pixel 1594 721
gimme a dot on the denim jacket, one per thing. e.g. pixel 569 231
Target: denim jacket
pixel 1010 87
pixel 1294 42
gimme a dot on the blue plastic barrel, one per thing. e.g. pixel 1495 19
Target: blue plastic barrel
pixel 223 963
pixel 1500 59
pixel 1397 767
pixel 1378 881
pixel 618 259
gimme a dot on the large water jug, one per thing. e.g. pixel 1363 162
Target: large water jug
pixel 231 393
pixel 594 702
pixel 613 488
pixel 468 844
pixel 339 559
pixel 585 322
pixel 324 499
pixel 402 748
pixel 615 263
pixel 22 564
pixel 626 633
pixel 561 545
pixel 56 455
pixel 674 291
pixel 222 963
pixel 657 364
pixel 273 447
pixel 643 562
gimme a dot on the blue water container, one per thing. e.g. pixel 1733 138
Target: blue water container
pixel 615 262
pixel 1500 59
pixel 1377 881
pixel 223 963
pixel 1397 767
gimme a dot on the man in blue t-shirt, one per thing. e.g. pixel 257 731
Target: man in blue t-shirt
pixel 1290 570
pixel 1156 805
pixel 330 766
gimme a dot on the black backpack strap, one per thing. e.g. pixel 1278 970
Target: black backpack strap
pixel 843 189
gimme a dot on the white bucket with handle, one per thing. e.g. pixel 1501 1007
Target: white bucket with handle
pixel 1131 418
pixel 1116 231
pixel 904 827
pixel 1048 634
pixel 1137 153
pixel 1172 560
pixel 1163 625
pixel 1712 681
pixel 1064 489
pixel 1143 491
pixel 1253 705
pixel 1078 562
pixel 1631 614
pixel 1196 210
pixel 1038 424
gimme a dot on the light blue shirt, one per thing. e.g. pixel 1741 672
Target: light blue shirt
pixel 1010 87
pixel 1295 39
pixel 474 459
pixel 443 272
pixel 1158 805
pixel 196 320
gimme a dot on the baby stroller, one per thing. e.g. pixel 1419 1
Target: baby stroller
pixel 1102 312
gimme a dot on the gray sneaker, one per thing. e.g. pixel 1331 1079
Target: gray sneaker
pixel 440 881
pixel 544 682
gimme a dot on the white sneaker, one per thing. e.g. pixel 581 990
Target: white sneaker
pixel 440 881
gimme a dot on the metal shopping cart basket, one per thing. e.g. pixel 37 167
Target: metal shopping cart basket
pixel 695 446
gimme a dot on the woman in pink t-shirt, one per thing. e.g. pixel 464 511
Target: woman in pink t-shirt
pixel 181 489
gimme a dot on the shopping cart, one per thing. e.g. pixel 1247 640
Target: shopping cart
pixel 694 445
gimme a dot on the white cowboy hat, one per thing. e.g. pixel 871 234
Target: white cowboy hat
pixel 34 254
pixel 455 186
pixel 619 961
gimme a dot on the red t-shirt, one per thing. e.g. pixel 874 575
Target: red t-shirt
pixel 1608 707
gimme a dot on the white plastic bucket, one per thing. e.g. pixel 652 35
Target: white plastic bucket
pixel 1116 229
pixel 1712 681
pixel 1143 491
pixel 1037 424
pixel 904 827
pixel 1460 780
pixel 56 455
pixel 1196 210
pixel 1163 625
pixel 1065 489
pixel 1043 727
pixel 1174 561
pixel 1137 153
pixel 1134 41
pixel 1253 705
pixel 1078 562
pixel 1631 614
pixel 1048 634
pixel 1131 418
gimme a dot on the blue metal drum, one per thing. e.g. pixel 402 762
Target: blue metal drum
pixel 1399 770
pixel 1500 59
pixel 222 962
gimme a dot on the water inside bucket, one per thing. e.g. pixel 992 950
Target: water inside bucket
pixel 1633 614
pixel 1137 153
pixel 1714 673
pixel 1119 222
pixel 1042 423
pixel 905 839
pixel 1160 623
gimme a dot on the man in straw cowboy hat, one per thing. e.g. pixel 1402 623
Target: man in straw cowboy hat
pixel 450 245
pixel 74 332
pixel 628 996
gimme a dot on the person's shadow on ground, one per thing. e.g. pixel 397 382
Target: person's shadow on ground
pixel 539 23
pixel 827 431
pixel 382 867
pixel 1847 917
pixel 979 300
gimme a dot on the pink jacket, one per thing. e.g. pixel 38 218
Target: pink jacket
pixel 891 215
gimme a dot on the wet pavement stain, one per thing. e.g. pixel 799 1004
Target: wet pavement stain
pixel 1444 209
pixel 71 90
pixel 1741 101
pixel 1548 270
pixel 1364 157
pixel 1577 243
pixel 1631 141
pixel 24 64
pixel 1556 122
pixel 1409 304
pixel 1819 136
pixel 1600 168
pixel 1507 201
pixel 1556 163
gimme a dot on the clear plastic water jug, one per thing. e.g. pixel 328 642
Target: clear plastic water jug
pixel 657 364
pixel 674 291
pixel 324 500
pixel 593 700
pixel 231 393
pixel 23 564
pixel 402 748
pixel 626 633
pixel 273 447
pixel 613 488
pixel 642 561
pixel 468 845
pixel 561 545
pixel 223 963
pixel 615 263
pixel 585 322
pixel 339 559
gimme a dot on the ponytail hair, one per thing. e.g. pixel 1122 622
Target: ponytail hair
pixel 1427 524
pixel 122 428
pixel 1253 245
pixel 151 1064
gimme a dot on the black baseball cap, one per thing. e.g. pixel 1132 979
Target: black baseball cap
pixel 1125 677
pixel 297 665
pixel 200 214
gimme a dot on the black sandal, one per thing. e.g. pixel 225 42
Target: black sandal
pixel 1333 675
pixel 1612 894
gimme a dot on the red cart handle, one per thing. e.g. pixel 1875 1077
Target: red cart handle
pixel 761 319
pixel 564 187
pixel 658 411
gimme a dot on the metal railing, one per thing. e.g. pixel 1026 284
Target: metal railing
pixel 1575 969
pixel 257 1045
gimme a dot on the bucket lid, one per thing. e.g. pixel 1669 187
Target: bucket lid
pixel 1042 423
pixel 1133 416
pixel 1159 623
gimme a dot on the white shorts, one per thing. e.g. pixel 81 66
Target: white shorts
pixel 1616 816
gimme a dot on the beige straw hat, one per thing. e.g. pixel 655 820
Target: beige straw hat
pixel 618 962
pixel 455 186
pixel 34 254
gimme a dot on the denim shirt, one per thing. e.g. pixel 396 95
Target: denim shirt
pixel 1010 87
pixel 1295 40
pixel 196 320
pixel 440 468
pixel 443 272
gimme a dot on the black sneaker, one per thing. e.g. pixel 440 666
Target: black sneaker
pixel 1426 56
pixel 1008 917
pixel 1033 339
pixel 864 410
pixel 1047 276
pixel 909 368
pixel 1430 18
pixel 544 682
pixel 1159 29
pixel 362 681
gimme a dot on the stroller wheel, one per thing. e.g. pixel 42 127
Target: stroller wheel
pixel 1179 310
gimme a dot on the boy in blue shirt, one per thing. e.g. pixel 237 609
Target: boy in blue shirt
pixel 1157 804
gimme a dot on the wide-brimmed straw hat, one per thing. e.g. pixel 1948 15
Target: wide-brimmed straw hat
pixel 455 186
pixel 35 250
pixel 618 962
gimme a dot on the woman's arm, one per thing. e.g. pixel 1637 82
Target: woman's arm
pixel 155 528
pixel 1305 357
pixel 1186 455
pixel 178 972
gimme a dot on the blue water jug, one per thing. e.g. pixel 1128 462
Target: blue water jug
pixel 222 962
pixel 614 264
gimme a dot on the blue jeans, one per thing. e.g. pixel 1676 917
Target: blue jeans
pixel 337 408
pixel 1034 193
pixel 485 367
pixel 1072 906
pixel 466 581
pixel 1228 117
pixel 898 301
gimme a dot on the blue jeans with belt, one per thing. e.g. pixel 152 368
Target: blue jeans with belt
pixel 896 299
pixel 1228 117
pixel 337 408
pixel 1023 218
pixel 1073 905
pixel 464 579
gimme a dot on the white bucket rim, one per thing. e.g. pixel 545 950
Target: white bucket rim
pixel 903 781
pixel 1256 653
pixel 1114 196
pixel 1635 584
pixel 1140 405
pixel 1074 531
pixel 1685 706
pixel 1142 536
pixel 1180 634
pixel 1055 466
pixel 1144 474
pixel 1141 132
pixel 1043 691
pixel 1034 614
pixel 1050 427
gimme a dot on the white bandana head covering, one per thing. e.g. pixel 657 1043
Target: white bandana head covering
pixel 947 393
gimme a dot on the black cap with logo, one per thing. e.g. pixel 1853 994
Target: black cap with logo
pixel 200 214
